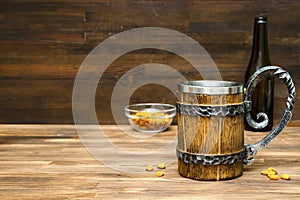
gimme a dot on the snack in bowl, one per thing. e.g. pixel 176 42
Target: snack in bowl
pixel 150 117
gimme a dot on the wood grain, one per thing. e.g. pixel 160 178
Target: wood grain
pixel 50 162
pixel 44 43
pixel 210 135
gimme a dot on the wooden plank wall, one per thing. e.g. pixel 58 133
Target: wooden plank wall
pixel 43 44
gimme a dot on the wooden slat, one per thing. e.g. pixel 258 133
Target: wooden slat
pixel 50 162
pixel 51 100
pixel 44 43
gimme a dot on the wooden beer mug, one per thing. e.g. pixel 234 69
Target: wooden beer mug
pixel 211 125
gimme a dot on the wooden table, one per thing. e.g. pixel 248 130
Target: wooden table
pixel 51 162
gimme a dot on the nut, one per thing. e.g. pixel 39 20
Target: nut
pixel 147 120
pixel 149 168
pixel 272 173
pixel 285 177
pixel 274 177
pixel 265 172
pixel 159 173
pixel 272 169
pixel 161 166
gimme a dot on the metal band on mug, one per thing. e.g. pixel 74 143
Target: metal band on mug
pixel 206 111
pixel 218 159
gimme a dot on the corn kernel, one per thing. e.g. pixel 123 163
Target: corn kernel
pixel 285 177
pixel 272 173
pixel 149 168
pixel 161 166
pixel 272 169
pixel 159 173
pixel 265 172
pixel 274 177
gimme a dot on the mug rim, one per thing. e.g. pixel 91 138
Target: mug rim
pixel 211 87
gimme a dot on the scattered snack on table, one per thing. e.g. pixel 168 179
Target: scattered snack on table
pixel 274 177
pixel 265 172
pixel 159 173
pixel 271 172
pixel 149 168
pixel 161 166
pixel 272 169
pixel 285 177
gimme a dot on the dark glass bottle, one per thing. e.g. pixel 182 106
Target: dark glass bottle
pixel 262 98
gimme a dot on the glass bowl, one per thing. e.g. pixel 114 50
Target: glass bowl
pixel 150 117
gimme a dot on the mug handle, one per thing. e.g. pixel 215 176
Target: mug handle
pixel 252 149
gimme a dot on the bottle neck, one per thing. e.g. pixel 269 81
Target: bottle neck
pixel 260 50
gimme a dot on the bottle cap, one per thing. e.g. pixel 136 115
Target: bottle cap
pixel 260 20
